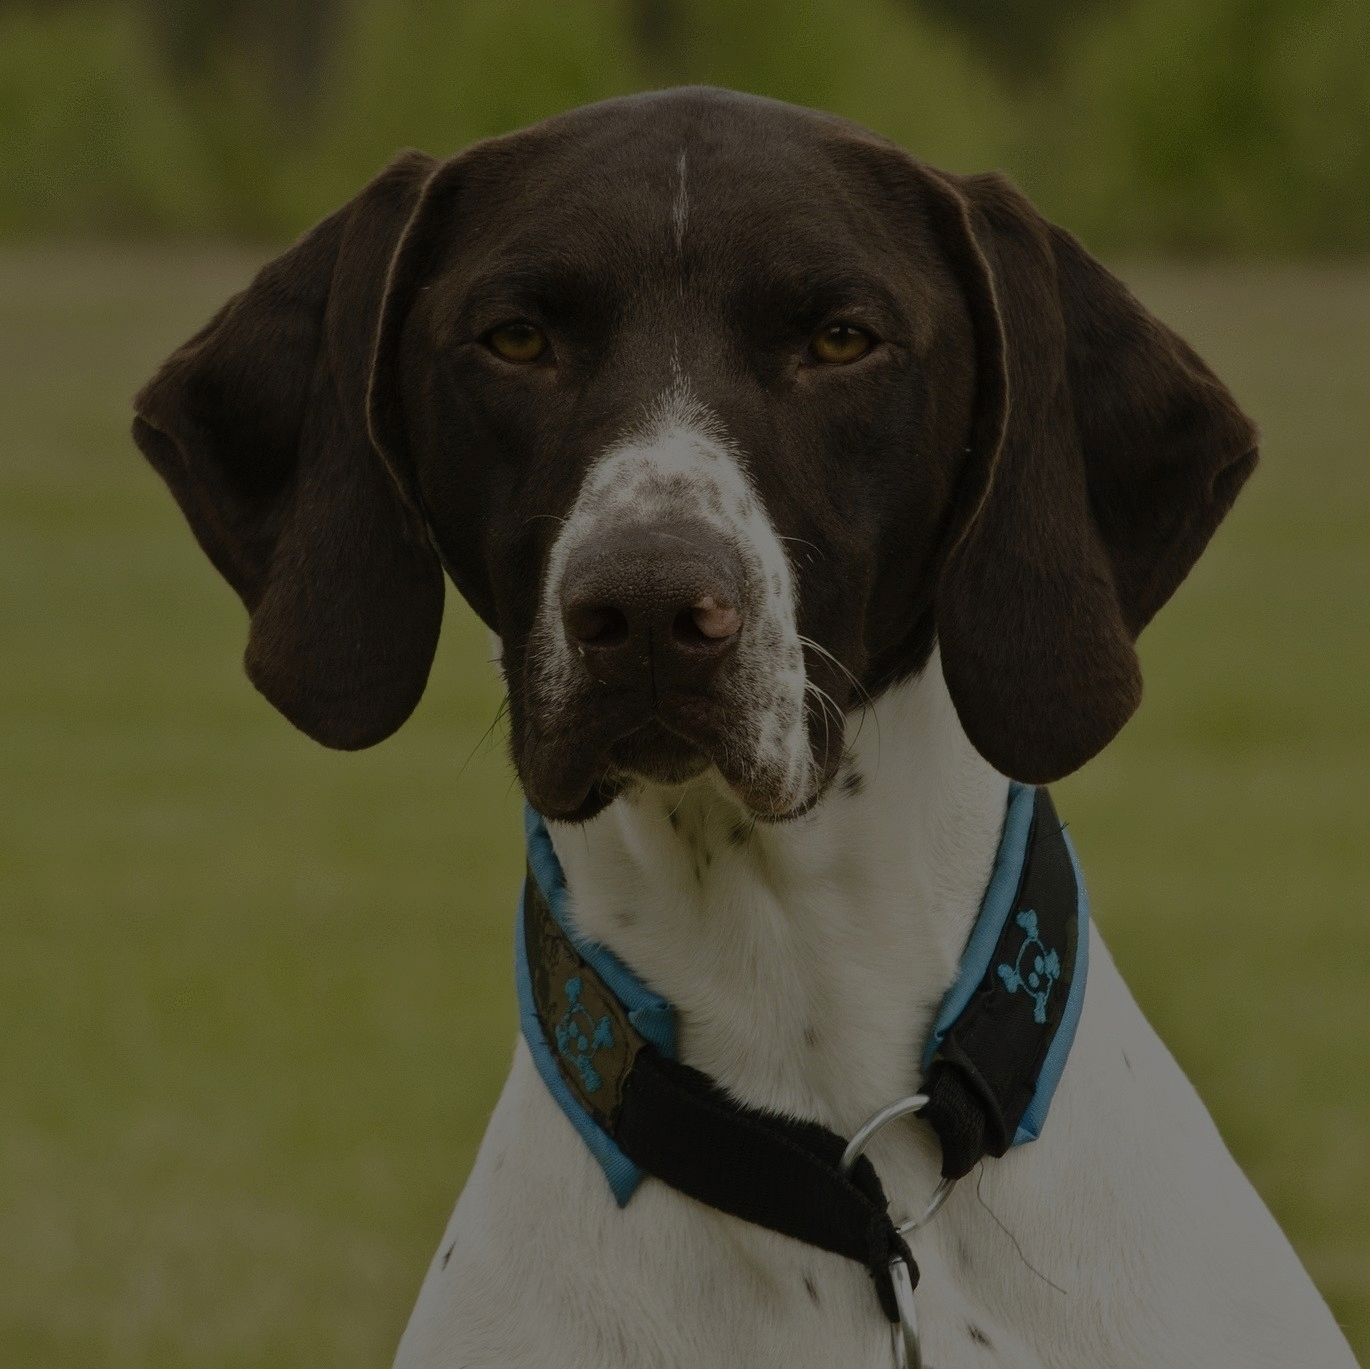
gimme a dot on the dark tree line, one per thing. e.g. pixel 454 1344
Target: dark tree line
pixel 1022 39
pixel 286 45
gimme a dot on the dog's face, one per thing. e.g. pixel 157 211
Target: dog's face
pixel 718 412
pixel 697 416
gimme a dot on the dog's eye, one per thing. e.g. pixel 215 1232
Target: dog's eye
pixel 520 342
pixel 839 343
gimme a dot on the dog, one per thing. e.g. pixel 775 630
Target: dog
pixel 816 499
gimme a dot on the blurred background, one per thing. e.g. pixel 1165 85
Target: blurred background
pixel 255 1000
pixel 1213 125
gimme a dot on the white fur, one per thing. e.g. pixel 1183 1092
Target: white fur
pixel 805 966
pixel 679 464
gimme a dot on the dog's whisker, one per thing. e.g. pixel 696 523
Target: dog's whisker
pixel 803 542
pixel 824 700
pixel 862 693
pixel 827 702
pixel 819 650
pixel 486 737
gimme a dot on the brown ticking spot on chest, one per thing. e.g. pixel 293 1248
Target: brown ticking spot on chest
pixel 978 1336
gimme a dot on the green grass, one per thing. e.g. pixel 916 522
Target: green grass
pixel 1225 833
pixel 257 999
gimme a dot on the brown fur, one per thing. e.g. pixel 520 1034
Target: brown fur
pixel 1054 458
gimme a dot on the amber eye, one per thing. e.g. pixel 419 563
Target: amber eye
pixel 520 342
pixel 839 343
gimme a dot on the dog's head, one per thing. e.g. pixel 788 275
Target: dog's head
pixel 719 412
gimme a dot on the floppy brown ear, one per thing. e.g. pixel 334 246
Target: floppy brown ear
pixel 258 425
pixel 1103 456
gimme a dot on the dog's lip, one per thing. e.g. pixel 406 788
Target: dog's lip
pixel 689 753
pixel 570 773
pixel 562 768
pixel 559 785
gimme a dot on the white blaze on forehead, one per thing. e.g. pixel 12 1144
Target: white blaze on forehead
pixel 678 465
pixel 681 208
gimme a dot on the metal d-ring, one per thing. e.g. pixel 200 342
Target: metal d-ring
pixel 908 1352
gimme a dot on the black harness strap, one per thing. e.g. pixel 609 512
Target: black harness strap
pixel 678 1125
pixel 767 1169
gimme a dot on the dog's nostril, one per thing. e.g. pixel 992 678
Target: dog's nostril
pixel 597 625
pixel 652 609
pixel 706 620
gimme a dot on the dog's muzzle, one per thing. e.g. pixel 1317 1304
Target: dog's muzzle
pixel 666 639
pixel 653 609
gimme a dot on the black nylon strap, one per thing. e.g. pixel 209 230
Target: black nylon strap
pixel 985 1072
pixel 678 1125
pixel 770 1170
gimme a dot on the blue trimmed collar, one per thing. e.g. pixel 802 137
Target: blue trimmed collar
pixel 1029 966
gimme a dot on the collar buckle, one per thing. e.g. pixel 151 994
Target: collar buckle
pixel 908 1350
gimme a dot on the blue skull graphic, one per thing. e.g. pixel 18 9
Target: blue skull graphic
pixel 1036 968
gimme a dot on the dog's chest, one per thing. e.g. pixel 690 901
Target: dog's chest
pixel 540 1267
pixel 804 959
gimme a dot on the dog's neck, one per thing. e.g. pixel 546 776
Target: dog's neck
pixel 805 959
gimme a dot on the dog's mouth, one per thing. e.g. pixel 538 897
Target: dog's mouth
pixel 656 753
pixel 572 771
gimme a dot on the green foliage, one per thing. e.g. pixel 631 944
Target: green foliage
pixel 875 61
pixel 1219 126
pixel 1237 125
pixel 90 139
pixel 414 73
pixel 1022 38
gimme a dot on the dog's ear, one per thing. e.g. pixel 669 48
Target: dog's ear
pixel 1103 454
pixel 258 425
pixel 419 257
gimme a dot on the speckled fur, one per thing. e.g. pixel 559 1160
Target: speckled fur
pixel 805 965
pixel 678 465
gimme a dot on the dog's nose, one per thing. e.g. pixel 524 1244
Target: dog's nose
pixel 653 605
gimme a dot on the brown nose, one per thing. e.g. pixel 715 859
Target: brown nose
pixel 653 606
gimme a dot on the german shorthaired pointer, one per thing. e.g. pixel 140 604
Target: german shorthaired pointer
pixel 816 498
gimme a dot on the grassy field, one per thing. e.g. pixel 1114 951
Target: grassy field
pixel 256 995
